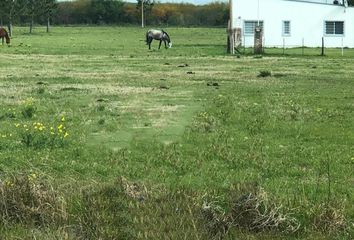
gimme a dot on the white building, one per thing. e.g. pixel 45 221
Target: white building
pixel 295 22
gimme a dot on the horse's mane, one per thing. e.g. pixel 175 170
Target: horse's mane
pixel 166 34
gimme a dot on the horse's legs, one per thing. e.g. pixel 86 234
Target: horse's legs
pixel 2 40
pixel 165 43
pixel 149 42
pixel 160 44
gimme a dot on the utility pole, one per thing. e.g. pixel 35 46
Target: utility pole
pixel 142 13
pixel 230 31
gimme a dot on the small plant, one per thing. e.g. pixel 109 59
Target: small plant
pixel 40 90
pixel 205 122
pixel 39 135
pixel 9 113
pixel 29 109
pixel 101 108
pixel 101 121
pixel 264 73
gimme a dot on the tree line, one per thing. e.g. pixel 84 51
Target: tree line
pixel 29 12
pixel 155 13
pixel 19 11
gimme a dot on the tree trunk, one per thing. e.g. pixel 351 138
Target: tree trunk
pixel 48 24
pixel 31 25
pixel 142 13
pixel 10 28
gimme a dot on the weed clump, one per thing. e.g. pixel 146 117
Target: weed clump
pixel 264 73
pixel 329 219
pixel 256 212
pixel 103 213
pixel 253 212
pixel 215 221
pixel 40 90
pixel 101 108
pixel 26 198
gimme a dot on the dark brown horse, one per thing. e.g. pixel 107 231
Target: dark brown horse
pixel 4 34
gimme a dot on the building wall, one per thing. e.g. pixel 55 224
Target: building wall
pixel 307 22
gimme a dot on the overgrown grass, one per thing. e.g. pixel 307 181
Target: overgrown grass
pixel 219 153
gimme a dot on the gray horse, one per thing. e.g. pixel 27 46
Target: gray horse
pixel 158 35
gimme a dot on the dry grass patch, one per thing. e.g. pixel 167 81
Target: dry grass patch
pixel 28 199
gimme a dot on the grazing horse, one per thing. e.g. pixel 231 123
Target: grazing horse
pixel 4 34
pixel 158 35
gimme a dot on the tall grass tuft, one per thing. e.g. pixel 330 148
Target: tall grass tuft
pixel 28 199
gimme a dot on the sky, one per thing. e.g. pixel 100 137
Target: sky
pixel 196 2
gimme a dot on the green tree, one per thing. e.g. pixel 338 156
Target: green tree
pixel 11 9
pixel 33 11
pixel 47 7
pixel 147 5
pixel 106 11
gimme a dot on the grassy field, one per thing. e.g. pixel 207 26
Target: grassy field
pixel 101 138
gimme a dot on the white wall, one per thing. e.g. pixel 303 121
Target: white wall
pixel 307 22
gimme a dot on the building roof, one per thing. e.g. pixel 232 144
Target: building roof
pixel 326 2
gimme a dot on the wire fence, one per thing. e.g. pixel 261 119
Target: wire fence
pixel 299 50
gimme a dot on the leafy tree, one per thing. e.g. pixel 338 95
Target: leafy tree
pixel 33 11
pixel 11 9
pixel 48 7
pixel 148 5
pixel 106 11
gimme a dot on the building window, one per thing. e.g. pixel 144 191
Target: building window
pixel 249 27
pixel 286 28
pixel 334 28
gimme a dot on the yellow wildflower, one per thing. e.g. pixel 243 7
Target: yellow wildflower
pixel 32 176
pixel 17 125
pixel 66 134
pixel 8 183
pixel 60 126
pixel 63 119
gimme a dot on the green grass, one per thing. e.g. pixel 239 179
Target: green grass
pixel 178 140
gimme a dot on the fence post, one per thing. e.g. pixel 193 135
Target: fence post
pixel 258 40
pixel 342 47
pixel 322 51
pixel 303 46
pixel 283 46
